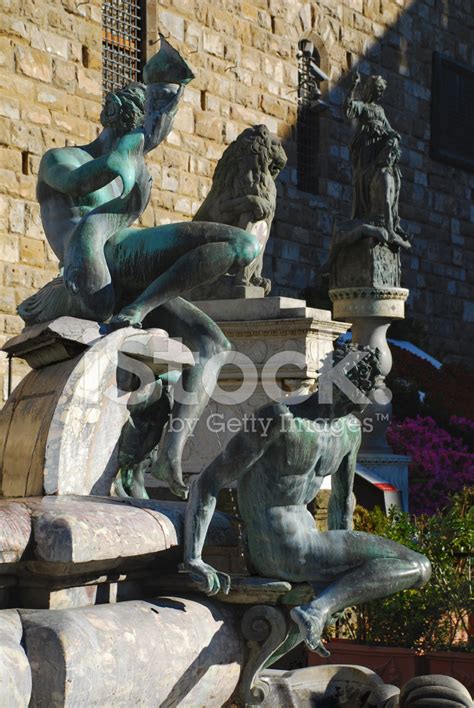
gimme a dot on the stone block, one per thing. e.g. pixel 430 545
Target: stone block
pixel 9 108
pixel 208 126
pixel 64 73
pixel 9 182
pixel 71 530
pixel 363 264
pixel 165 651
pixel 173 23
pixel 35 597
pixel 89 83
pixel 7 300
pixel 33 63
pixel 15 531
pixel 15 672
pixel 17 216
pixel 268 308
pixel 32 251
pixel 49 42
pixel 212 43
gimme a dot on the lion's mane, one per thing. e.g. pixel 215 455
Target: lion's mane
pixel 248 166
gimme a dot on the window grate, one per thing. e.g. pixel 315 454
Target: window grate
pixel 122 32
pixel 308 124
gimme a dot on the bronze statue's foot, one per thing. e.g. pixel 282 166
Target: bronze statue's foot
pixel 128 317
pixel 169 471
pixel 311 624
pixel 130 483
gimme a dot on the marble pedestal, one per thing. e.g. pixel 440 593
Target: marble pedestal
pixel 282 340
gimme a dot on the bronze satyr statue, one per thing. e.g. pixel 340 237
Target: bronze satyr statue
pixel 278 474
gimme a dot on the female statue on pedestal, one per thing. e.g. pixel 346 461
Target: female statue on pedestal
pixel 372 132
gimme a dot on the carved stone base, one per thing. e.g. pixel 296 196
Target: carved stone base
pixel 365 264
pixel 59 429
pixel 332 685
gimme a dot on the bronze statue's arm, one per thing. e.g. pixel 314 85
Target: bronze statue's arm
pixel 159 123
pixel 352 107
pixel 59 172
pixel 238 458
pixel 341 501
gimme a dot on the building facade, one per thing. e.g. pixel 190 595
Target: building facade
pixel 248 60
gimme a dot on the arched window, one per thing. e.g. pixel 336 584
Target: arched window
pixel 310 107
pixel 123 30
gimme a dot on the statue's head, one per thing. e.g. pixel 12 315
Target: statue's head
pixel 266 146
pixel 253 155
pixel 374 89
pixel 390 154
pixel 124 109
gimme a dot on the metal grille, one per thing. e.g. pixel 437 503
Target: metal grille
pixel 122 29
pixel 307 128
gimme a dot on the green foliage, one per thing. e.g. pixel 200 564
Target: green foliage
pixel 433 618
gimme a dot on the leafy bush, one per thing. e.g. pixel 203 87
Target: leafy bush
pixel 435 617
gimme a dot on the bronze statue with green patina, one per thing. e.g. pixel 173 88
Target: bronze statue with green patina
pixel 89 198
pixel 278 474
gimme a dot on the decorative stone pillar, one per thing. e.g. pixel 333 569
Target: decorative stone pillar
pixel 365 257
pixel 371 310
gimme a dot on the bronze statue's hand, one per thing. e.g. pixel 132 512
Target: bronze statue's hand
pixel 207 578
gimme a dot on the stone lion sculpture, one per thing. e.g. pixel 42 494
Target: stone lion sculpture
pixel 243 194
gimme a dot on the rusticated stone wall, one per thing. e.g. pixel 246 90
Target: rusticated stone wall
pixel 244 57
pixel 50 94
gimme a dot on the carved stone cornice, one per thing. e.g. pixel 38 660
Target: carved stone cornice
pixel 369 294
pixel 302 326
pixel 355 302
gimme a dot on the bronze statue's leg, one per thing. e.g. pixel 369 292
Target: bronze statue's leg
pixel 176 259
pixel 369 567
pixel 205 339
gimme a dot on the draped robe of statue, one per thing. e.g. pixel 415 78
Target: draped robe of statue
pixel 372 132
